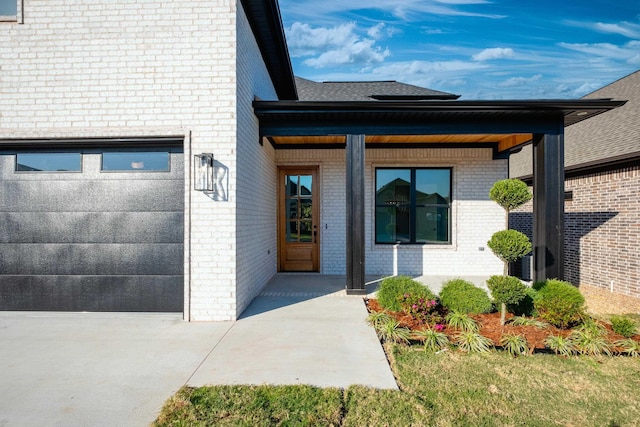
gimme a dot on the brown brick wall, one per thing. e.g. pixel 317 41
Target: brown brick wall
pixel 602 230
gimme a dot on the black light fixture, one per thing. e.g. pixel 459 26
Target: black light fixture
pixel 203 172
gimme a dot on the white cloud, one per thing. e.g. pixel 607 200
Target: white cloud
pixel 360 52
pixel 624 28
pixel 627 52
pixel 306 10
pixel 304 40
pixel 493 53
pixel 375 32
pixel 334 46
pixel 520 81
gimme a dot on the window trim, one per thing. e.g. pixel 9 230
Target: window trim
pixel 413 206
pixel 18 17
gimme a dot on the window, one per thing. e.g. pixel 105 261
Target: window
pixel 143 161
pixel 413 205
pixel 48 162
pixel 9 10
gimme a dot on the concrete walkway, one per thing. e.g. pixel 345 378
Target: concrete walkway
pixel 83 369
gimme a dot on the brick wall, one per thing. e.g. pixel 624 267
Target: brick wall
pixel 256 175
pixel 113 68
pixel 475 216
pixel 602 230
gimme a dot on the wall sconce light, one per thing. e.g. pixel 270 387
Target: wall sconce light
pixel 203 172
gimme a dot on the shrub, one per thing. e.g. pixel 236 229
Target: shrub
pixel 510 193
pixel 432 339
pixel 378 318
pixel 590 339
pixel 509 245
pixel 629 347
pixel 393 289
pixel 515 345
pixel 461 321
pixel 421 308
pixel 559 303
pixel 525 321
pixel 463 296
pixel 560 345
pixel 473 342
pixel 391 331
pixel 623 325
pixel 525 306
pixel 506 290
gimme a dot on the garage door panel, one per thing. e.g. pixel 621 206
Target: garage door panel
pixel 92 196
pixel 92 293
pixel 92 240
pixel 91 227
pixel 91 259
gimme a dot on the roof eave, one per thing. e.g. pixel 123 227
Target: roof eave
pixel 266 24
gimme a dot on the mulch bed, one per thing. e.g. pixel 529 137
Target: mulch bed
pixel 490 327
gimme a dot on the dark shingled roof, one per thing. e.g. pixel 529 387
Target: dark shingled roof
pixel 366 91
pixel 610 137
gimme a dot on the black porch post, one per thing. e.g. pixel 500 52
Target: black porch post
pixel 355 215
pixel 548 205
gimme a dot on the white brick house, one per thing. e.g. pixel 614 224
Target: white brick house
pixel 103 105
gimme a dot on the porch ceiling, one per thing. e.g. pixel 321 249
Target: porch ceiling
pixel 501 124
pixel 504 142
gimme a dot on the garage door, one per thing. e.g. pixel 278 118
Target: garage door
pixel 92 229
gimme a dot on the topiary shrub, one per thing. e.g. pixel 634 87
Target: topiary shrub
pixel 506 290
pixel 510 193
pixel 509 246
pixel 463 296
pixel 393 289
pixel 559 303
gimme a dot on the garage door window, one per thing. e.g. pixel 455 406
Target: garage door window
pixel 48 162
pixel 145 161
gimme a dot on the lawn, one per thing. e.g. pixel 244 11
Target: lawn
pixel 446 389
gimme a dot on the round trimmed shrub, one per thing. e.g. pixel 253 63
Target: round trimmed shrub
pixel 559 303
pixel 509 245
pixel 507 290
pixel 393 289
pixel 510 193
pixel 461 295
pixel 525 306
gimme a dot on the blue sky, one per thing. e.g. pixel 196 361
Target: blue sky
pixel 480 49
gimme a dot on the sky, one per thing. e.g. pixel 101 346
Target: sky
pixel 479 49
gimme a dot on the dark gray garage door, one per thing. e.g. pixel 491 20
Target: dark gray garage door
pixel 92 229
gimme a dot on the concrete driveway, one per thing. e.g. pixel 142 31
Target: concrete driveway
pixel 85 369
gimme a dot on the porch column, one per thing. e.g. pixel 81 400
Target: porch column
pixel 355 215
pixel 548 205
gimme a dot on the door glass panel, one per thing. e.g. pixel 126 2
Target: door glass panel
pixel 305 209
pixel 292 185
pixel 305 231
pixel 299 208
pixel 136 161
pixel 292 208
pixel 305 185
pixel 292 231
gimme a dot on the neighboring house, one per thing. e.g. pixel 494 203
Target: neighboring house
pixel 602 168
pixel 108 109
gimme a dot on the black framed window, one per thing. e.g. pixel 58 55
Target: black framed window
pixel 9 9
pixel 49 162
pixel 413 205
pixel 143 161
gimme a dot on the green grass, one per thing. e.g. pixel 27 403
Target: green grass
pixel 447 389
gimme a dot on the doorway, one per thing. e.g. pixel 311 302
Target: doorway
pixel 298 218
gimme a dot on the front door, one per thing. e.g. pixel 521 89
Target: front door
pixel 298 208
